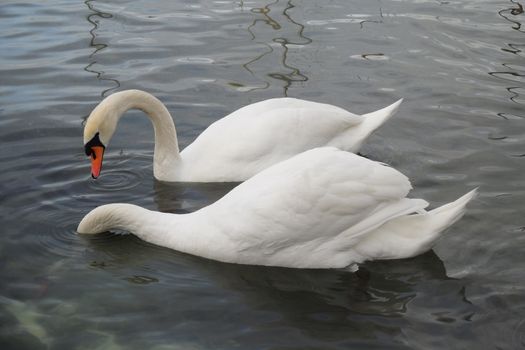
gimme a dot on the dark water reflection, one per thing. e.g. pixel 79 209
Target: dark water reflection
pixel 187 197
pixel 94 19
pixel 459 66
pixel 291 33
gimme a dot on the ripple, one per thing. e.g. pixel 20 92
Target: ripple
pixel 177 15
pixel 60 239
pixel 518 336
pixel 113 250
pixel 333 21
pixel 138 279
pixel 371 57
pixel 196 60
pixel 509 76
pixel 117 180
pixel 437 54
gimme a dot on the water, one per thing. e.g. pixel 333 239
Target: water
pixel 458 64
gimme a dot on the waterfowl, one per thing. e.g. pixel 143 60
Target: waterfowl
pixel 323 208
pixel 238 146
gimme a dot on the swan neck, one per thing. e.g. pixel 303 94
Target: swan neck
pixel 190 233
pixel 166 153
pixel 165 133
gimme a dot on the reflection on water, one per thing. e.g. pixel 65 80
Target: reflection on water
pixel 326 306
pixel 93 19
pixel 516 10
pixel 188 197
pixel 459 66
pixel 514 70
pixel 281 35
pixel 275 30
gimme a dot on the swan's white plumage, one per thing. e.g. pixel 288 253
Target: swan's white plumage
pixel 244 142
pixel 319 209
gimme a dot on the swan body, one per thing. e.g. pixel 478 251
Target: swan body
pixel 324 208
pixel 238 146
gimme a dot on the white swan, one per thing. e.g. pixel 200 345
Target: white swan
pixel 324 208
pixel 237 146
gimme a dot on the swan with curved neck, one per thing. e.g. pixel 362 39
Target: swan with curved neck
pixel 324 208
pixel 237 146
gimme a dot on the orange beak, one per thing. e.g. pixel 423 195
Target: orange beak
pixel 97 154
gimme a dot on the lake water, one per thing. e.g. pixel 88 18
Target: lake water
pixel 460 67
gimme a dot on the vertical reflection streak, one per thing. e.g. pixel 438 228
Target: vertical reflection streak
pixel 513 11
pixel 510 73
pixel 92 18
pixel 292 74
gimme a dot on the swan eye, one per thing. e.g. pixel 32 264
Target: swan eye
pixel 94 142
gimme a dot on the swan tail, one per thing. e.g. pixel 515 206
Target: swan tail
pixel 375 119
pixel 448 214
pixel 410 235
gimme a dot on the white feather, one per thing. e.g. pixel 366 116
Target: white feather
pixel 244 142
pixel 323 208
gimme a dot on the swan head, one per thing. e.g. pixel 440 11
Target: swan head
pixel 102 123
pixel 94 149
pixel 96 221
pixel 100 127
pixel 109 216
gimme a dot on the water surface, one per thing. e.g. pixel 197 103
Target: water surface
pixel 458 64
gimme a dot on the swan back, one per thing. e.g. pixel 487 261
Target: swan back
pixel 305 204
pixel 264 133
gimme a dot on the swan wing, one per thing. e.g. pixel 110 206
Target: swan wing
pixel 259 135
pixel 310 200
